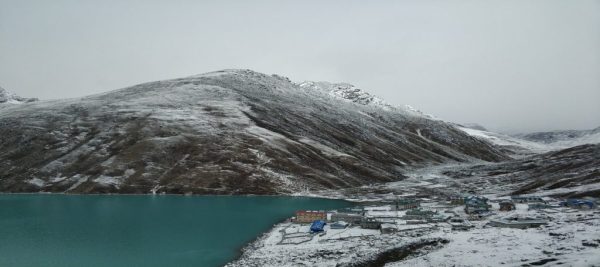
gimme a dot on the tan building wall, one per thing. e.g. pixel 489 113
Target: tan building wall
pixel 310 216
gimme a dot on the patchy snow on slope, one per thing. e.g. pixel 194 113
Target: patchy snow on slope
pixel 109 180
pixel 37 182
pixel 328 151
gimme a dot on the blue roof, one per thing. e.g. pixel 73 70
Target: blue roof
pixel 317 226
pixel 578 202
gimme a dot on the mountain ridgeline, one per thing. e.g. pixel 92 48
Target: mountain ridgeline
pixel 225 132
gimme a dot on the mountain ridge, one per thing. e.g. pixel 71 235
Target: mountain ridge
pixel 224 132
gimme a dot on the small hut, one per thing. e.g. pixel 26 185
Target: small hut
pixel 317 226
pixel 405 204
pixel 370 223
pixel 507 206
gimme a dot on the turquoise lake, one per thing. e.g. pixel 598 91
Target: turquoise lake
pixel 128 230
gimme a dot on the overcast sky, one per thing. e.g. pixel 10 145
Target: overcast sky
pixel 514 66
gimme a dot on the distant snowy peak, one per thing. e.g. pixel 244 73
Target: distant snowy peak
pixel 517 147
pixel 347 91
pixel 561 136
pixel 352 93
pixel 542 142
pixel 7 97
pixel 567 138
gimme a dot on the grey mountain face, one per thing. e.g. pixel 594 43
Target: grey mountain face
pixel 227 132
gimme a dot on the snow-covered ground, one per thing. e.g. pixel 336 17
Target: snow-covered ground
pixel 290 244
pixel 571 238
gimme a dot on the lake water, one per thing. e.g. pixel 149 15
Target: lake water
pixel 117 230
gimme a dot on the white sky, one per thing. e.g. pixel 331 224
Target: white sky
pixel 509 65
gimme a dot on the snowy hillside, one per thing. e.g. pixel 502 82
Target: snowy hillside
pixel 225 132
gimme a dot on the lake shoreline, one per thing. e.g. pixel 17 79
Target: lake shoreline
pixel 134 228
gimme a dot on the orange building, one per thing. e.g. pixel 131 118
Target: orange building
pixel 308 216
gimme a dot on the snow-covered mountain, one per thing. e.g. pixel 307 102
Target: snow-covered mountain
pixel 7 97
pixel 513 146
pixel 522 145
pixel 568 138
pixel 225 132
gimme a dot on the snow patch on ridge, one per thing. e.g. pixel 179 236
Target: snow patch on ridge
pixel 11 98
pixel 351 93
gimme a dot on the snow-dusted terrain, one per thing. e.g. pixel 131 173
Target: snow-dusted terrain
pixel 562 242
pixel 571 238
pixel 225 132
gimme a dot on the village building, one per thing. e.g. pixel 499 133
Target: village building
pixel 507 206
pixel 439 218
pixel 338 225
pixel 387 228
pixel 309 216
pixel 353 210
pixel 527 199
pixel 405 204
pixel 579 203
pixel 476 205
pixel 538 206
pixel 317 226
pixel 458 223
pixel 518 222
pixel 418 214
pixel 416 221
pixel 370 223
pixel 352 218
pixel 456 200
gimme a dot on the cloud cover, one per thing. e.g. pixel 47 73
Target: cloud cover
pixel 510 65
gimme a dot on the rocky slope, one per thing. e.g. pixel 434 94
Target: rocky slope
pixel 226 132
pixel 566 173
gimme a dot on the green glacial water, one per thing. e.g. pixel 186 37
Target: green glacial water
pixel 128 230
